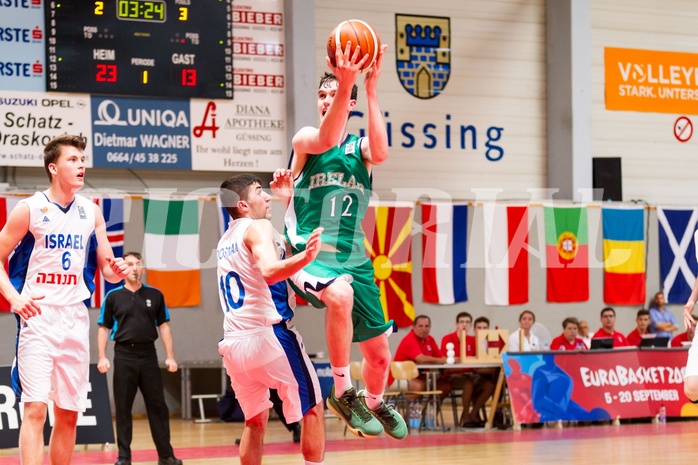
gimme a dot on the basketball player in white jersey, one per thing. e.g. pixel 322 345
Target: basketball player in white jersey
pixel 60 238
pixel 261 348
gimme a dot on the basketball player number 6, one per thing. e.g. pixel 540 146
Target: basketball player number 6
pixel 225 282
pixel 65 261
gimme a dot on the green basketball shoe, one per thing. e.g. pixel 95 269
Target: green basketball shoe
pixel 358 418
pixel 393 424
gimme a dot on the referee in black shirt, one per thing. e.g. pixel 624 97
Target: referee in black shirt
pixel 133 313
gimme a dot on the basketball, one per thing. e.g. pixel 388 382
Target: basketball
pixel 359 33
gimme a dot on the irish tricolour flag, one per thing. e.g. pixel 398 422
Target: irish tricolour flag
pixel 171 250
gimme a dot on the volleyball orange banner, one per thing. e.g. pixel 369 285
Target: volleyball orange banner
pixel 651 81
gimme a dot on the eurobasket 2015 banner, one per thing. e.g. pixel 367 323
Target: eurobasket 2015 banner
pixel 597 385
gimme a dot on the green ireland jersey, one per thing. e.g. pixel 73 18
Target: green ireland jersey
pixel 332 192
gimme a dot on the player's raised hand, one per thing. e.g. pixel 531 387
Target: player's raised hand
pixel 312 247
pixel 348 64
pixel 118 266
pixel 26 306
pixel 282 184
pixel 372 75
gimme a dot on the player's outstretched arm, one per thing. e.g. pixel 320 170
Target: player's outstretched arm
pixel 15 229
pixel 113 269
pixel 259 238
pixel 335 107
pixel 376 151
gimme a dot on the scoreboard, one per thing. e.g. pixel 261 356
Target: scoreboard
pixel 151 48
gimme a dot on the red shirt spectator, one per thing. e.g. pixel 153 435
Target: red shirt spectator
pixel 568 340
pixel 679 339
pixel 618 339
pixel 634 338
pixel 608 323
pixel 419 347
pixel 643 323
pixel 561 343
pixel 453 337
pixel 411 346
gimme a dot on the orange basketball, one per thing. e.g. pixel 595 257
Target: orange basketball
pixel 359 33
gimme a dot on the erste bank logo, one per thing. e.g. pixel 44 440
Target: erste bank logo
pixel 423 53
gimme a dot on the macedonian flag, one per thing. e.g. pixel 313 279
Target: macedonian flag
pixel 567 254
pixel 388 231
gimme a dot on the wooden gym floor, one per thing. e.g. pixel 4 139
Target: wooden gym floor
pixel 674 443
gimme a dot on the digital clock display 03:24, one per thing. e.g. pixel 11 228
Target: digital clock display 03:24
pixel 141 10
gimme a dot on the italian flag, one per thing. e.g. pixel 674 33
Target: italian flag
pixel 171 250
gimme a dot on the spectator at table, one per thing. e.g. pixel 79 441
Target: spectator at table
pixel 584 333
pixel 663 323
pixel 523 340
pixel 468 380
pixel 464 322
pixel 643 322
pixel 686 336
pixel 481 323
pixel 421 348
pixel 568 340
pixel 608 325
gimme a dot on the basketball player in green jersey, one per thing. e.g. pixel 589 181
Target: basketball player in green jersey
pixel 331 170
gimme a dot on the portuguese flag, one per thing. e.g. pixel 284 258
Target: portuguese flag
pixel 567 254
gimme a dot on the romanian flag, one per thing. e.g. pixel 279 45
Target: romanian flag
pixel 171 250
pixel 506 254
pixel 444 252
pixel 624 255
pixel 113 212
pixel 567 254
pixel 388 241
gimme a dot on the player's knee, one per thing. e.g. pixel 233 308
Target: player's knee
pixel 257 424
pixel 379 361
pixel 339 295
pixel 34 412
pixel 67 418
pixel 690 387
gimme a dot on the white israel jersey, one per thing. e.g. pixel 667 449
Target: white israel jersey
pixel 247 301
pixel 57 257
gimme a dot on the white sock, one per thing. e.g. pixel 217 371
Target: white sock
pixel 373 401
pixel 342 379
pixel 308 462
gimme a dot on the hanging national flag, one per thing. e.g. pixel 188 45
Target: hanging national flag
pixel 223 217
pixel 171 250
pixel 113 212
pixel 506 254
pixel 624 255
pixel 444 252
pixel 567 254
pixel 388 231
pixel 6 206
pixel 677 252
